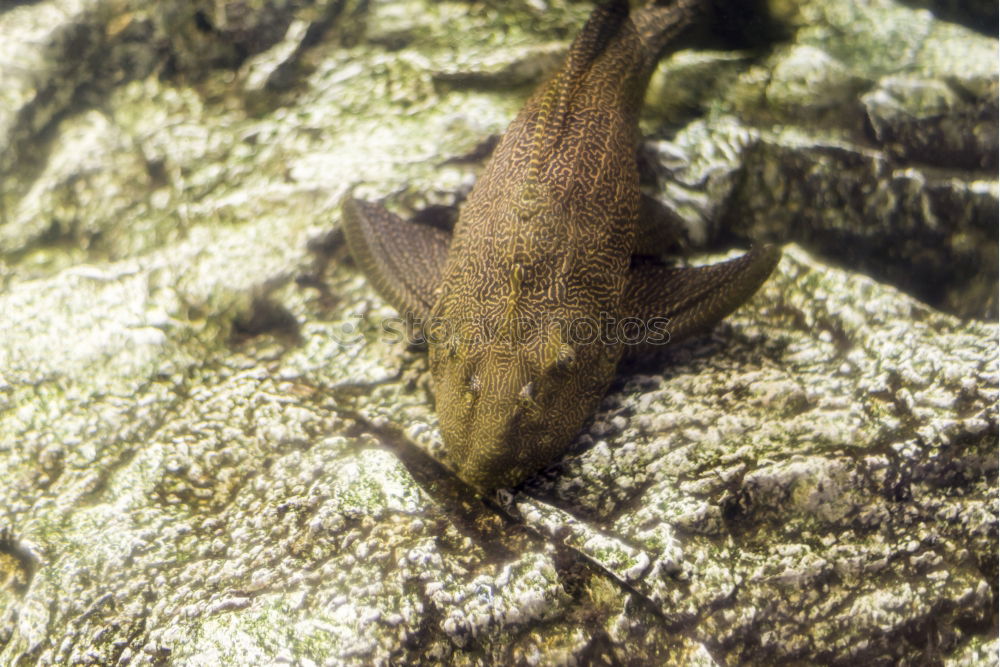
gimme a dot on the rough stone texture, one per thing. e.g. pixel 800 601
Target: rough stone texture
pixel 980 15
pixel 870 138
pixel 212 454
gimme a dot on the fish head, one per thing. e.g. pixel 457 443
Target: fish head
pixel 508 404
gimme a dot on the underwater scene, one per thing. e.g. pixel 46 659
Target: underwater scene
pixel 469 332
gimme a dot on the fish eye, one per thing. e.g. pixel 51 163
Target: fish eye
pixel 527 391
pixel 565 356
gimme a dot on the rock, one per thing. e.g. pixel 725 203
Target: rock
pixel 980 15
pixel 214 451
pixel 875 156
pixel 918 120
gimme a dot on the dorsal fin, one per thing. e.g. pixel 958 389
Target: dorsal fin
pixel 597 33
pixel 600 28
pixel 659 26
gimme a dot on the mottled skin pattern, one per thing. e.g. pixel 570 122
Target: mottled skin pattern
pixel 544 245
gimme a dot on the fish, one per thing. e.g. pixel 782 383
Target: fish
pixel 541 288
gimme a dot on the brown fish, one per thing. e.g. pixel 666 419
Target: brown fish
pixel 536 296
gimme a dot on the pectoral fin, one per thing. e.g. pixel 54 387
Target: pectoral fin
pixel 692 300
pixel 403 260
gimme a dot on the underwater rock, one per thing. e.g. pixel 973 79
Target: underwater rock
pixel 212 452
pixel 871 139
pixel 980 15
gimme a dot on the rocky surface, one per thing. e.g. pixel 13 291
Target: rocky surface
pixel 213 454
pixel 870 138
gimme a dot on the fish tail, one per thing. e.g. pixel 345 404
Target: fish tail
pixel 660 25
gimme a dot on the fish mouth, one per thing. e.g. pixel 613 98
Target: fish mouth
pixel 487 473
pixel 486 480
